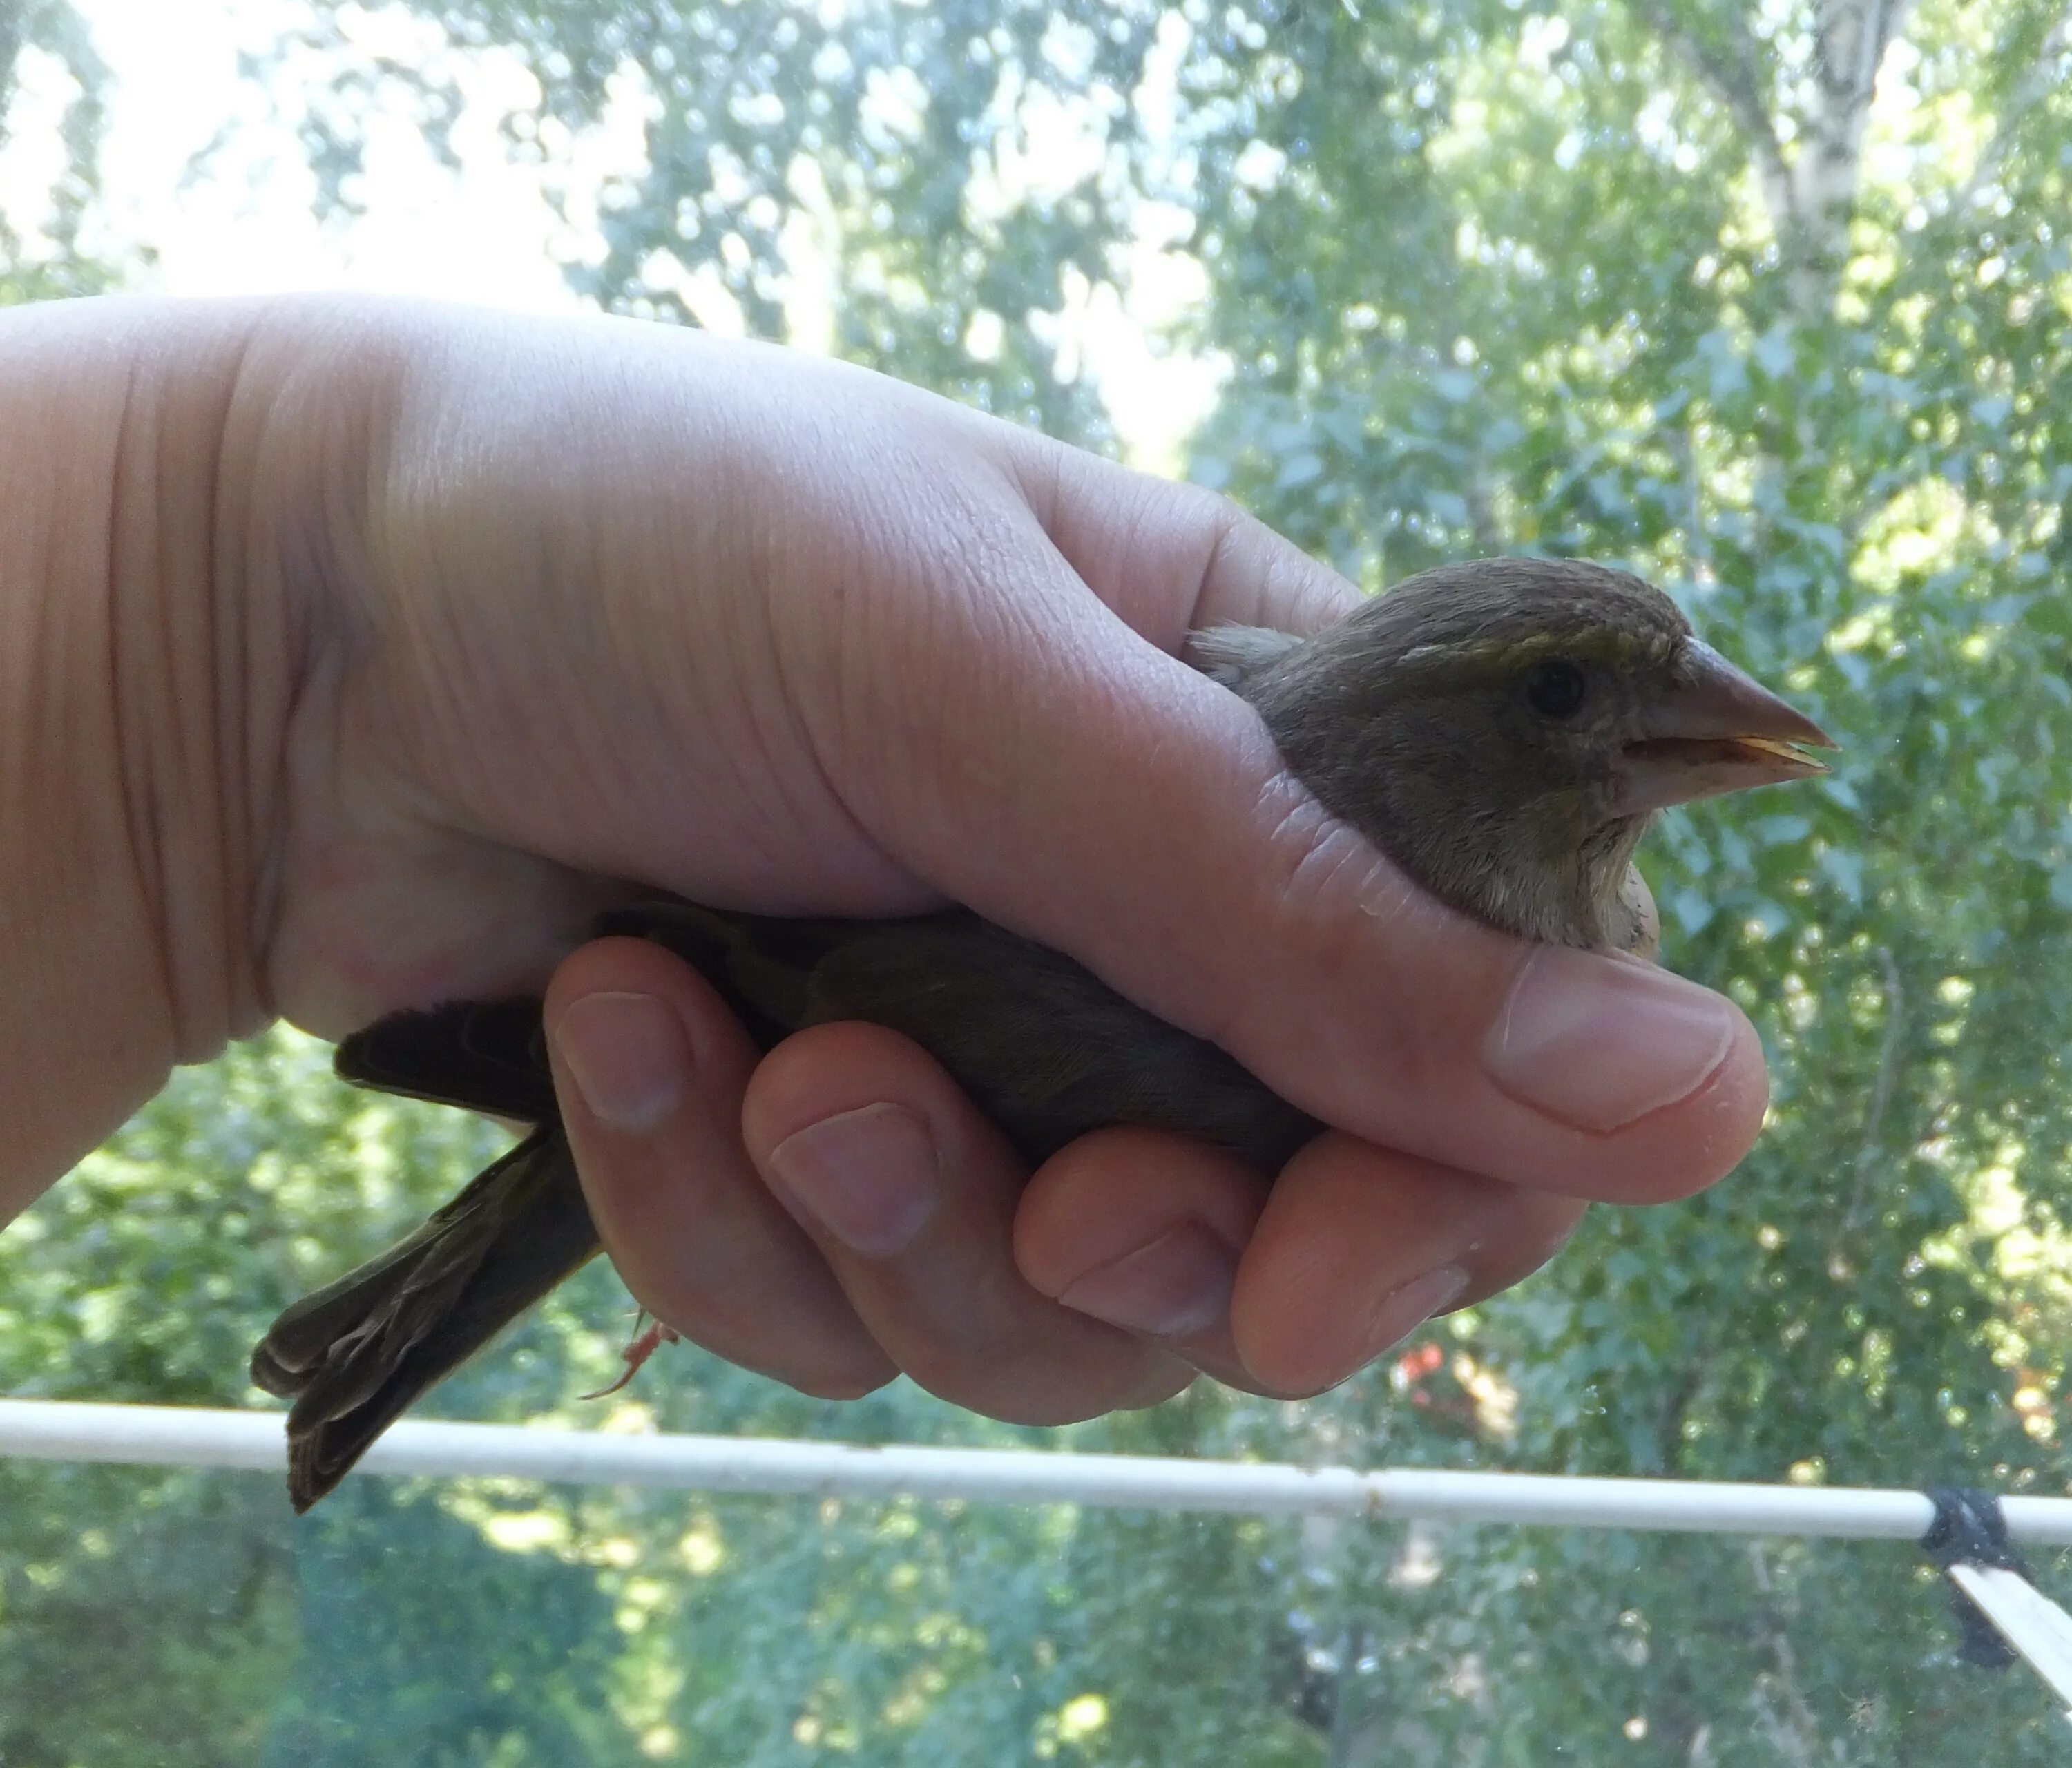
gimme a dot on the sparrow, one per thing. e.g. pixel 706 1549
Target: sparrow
pixel 1504 730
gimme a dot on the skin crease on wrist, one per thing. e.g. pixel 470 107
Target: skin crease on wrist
pixel 391 631
pixel 121 601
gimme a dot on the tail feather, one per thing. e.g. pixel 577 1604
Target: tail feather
pixel 356 1355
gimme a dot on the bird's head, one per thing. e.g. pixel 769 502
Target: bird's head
pixel 1506 730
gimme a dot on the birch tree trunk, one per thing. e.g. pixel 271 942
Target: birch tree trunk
pixel 1810 191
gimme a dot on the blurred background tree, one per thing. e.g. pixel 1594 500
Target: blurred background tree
pixel 1774 305
pixel 54 264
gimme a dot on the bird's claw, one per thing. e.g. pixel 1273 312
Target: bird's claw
pixel 645 1345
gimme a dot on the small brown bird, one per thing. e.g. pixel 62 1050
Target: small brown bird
pixel 1505 730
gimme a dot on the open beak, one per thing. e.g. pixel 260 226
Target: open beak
pixel 1715 730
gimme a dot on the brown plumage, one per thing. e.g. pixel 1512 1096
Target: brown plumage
pixel 1505 730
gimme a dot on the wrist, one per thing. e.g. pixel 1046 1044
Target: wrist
pixel 135 721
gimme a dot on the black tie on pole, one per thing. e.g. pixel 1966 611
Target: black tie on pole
pixel 1969 1529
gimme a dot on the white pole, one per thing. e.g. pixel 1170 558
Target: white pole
pixel 60 1430
pixel 2027 1619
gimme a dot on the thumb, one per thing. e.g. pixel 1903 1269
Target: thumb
pixel 1072 780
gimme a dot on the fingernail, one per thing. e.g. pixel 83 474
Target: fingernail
pixel 1172 1287
pixel 1599 1042
pixel 869 1176
pixel 628 1056
pixel 1404 1310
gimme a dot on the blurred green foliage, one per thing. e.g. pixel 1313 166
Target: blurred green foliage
pixel 52 262
pixel 1647 280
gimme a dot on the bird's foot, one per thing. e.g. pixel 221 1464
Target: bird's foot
pixel 645 1345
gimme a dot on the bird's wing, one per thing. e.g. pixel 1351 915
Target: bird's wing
pixel 489 1057
pixel 763 965
pixel 1044 1047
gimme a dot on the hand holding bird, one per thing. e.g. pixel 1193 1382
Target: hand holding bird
pixel 509 608
pixel 1505 731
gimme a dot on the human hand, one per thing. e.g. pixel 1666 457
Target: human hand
pixel 529 607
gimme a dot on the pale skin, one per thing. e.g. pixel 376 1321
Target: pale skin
pixel 351 651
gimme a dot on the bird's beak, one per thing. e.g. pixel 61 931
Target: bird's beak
pixel 1714 730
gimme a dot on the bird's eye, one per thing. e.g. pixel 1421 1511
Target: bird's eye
pixel 1555 688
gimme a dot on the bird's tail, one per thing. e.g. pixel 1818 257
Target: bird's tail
pixel 356 1355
